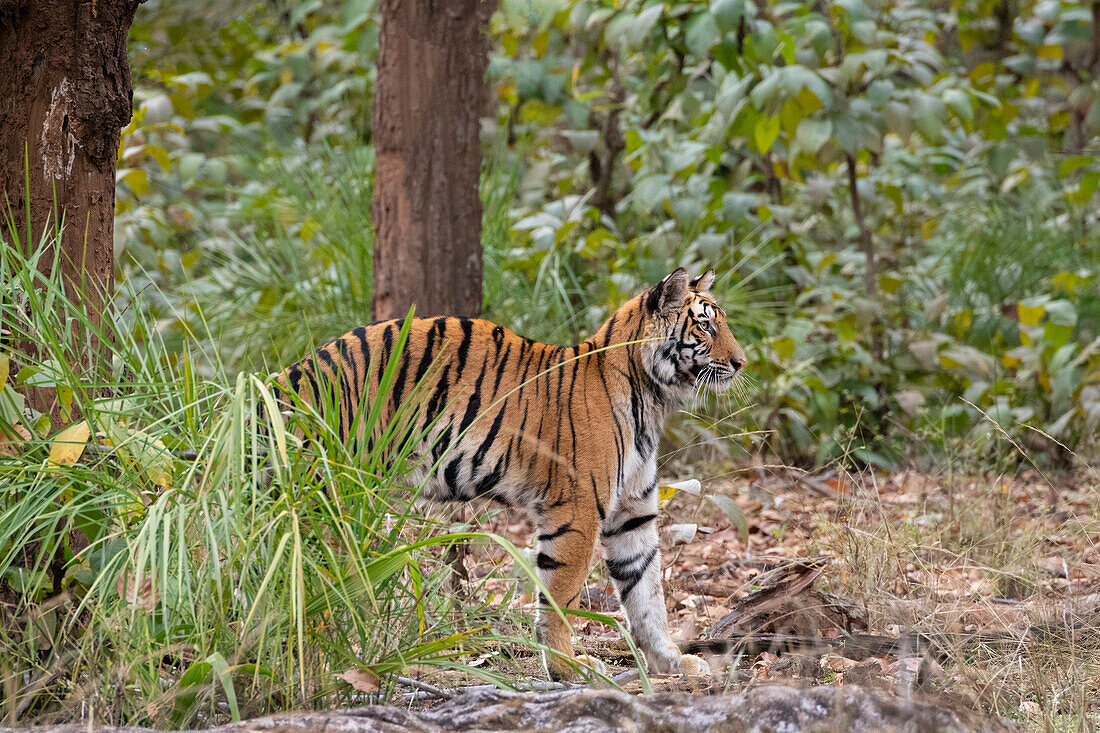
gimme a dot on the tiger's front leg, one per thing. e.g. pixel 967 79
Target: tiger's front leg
pixel 633 555
pixel 564 553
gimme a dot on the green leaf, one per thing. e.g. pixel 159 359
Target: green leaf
pixel 728 14
pixel 221 669
pixel 958 102
pixel 1085 190
pixel 765 132
pixel 812 134
pixel 1066 167
pixel 11 405
pixel 187 690
pixel 702 33
pixel 737 517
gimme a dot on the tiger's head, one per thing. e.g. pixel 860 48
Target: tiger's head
pixel 689 339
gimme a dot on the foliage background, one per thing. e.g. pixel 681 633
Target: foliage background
pixel 626 138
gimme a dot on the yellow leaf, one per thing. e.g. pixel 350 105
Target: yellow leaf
pixel 309 227
pixel 1058 120
pixel 69 444
pixel 1010 362
pixel 808 101
pixel 5 368
pixel 928 227
pixel 1050 51
pixel 148 454
pixel 136 179
pixel 665 493
pixel 1030 315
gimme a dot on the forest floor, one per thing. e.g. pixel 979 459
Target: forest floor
pixel 982 592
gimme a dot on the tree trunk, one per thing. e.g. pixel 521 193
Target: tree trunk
pixel 64 97
pixel 426 125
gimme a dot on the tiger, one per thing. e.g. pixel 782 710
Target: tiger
pixel 569 433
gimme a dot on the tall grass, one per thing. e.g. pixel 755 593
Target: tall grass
pixel 195 564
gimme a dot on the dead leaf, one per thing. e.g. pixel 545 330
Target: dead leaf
pixel 908 665
pixel 12 440
pixel 681 533
pixel 363 680
pixel 69 444
pixel 142 595
pixel 838 663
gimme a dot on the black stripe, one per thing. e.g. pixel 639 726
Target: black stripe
pixel 348 364
pixel 294 377
pixel 475 401
pixel 629 525
pixel 313 385
pixel 439 397
pixel 567 527
pixel 596 494
pixel 387 343
pixel 490 436
pixel 450 474
pixel 334 380
pixel 489 481
pixel 545 562
pixel 500 369
pixel 426 359
pixel 464 346
pixel 364 388
pixel 399 385
pixel 626 574
pixel 387 347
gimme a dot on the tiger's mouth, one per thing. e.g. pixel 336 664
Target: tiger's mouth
pixel 718 377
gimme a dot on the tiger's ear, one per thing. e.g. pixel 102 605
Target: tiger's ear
pixel 668 294
pixel 703 283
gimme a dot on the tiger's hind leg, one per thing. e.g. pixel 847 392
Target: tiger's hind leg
pixel 631 550
pixel 564 553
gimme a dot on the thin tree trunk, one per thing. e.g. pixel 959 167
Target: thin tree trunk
pixel 870 273
pixel 865 240
pixel 426 129
pixel 64 97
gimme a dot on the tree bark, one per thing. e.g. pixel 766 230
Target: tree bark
pixel 65 95
pixel 865 241
pixel 426 128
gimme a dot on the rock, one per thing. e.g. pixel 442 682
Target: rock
pixel 765 708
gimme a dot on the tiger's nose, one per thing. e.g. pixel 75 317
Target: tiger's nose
pixel 737 364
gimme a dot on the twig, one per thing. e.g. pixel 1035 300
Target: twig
pixel 431 690
pixel 528 687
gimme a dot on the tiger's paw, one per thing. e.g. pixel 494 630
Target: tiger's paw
pixel 693 665
pixel 562 671
pixel 591 663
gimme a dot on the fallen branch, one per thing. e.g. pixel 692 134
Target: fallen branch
pixel 912 644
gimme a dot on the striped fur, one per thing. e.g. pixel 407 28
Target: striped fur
pixel 569 433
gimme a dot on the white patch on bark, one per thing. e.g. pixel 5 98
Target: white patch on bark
pixel 58 141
